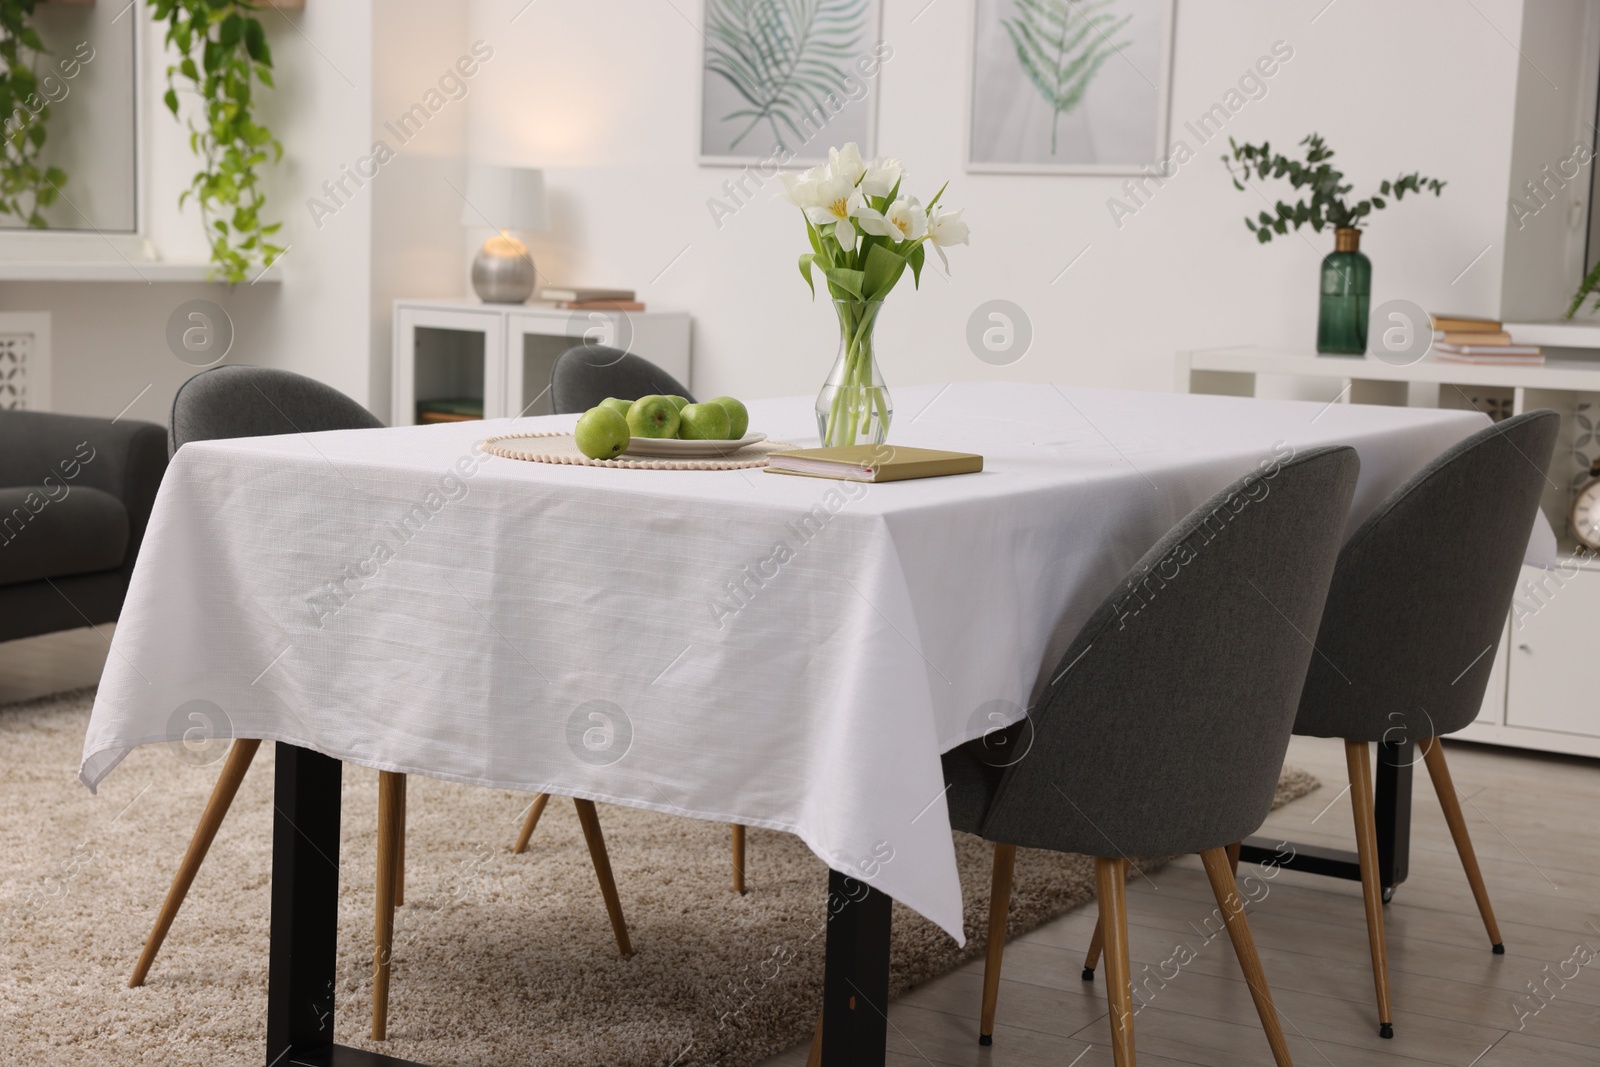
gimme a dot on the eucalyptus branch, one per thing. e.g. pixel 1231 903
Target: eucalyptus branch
pixel 233 56
pixel 1328 205
pixel 25 187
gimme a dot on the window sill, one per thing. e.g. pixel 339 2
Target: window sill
pixel 114 271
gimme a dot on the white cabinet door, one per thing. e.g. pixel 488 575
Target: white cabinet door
pixel 1551 669
pixel 448 354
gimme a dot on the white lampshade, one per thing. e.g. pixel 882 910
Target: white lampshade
pixel 506 198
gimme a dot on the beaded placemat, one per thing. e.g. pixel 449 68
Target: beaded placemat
pixel 552 447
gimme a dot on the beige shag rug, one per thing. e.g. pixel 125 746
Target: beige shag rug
pixel 499 959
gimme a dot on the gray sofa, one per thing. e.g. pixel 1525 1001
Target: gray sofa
pixel 75 495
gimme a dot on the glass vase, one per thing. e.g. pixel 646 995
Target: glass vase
pixel 853 407
pixel 1346 294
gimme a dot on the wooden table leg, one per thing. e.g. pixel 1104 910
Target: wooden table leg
pixel 855 981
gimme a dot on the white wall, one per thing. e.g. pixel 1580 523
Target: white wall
pixel 110 339
pixel 417 247
pixel 604 96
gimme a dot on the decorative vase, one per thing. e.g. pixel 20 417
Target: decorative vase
pixel 1346 294
pixel 853 407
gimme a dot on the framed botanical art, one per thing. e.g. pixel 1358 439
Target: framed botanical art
pixel 784 79
pixel 1070 86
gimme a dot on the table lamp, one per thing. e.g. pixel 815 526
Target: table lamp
pixel 506 198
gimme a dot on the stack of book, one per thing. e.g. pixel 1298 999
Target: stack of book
pixel 1464 339
pixel 592 299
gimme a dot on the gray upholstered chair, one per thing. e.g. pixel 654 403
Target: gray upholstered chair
pixel 1164 725
pixel 584 375
pixel 1417 606
pixel 242 401
pixel 75 495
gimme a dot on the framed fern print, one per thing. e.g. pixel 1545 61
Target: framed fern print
pixel 1070 86
pixel 785 79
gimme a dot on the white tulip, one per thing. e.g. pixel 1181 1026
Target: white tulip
pixel 908 218
pixel 946 228
pixel 882 175
pixel 801 189
pixel 846 163
pixel 835 201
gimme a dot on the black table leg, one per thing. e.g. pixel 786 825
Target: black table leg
pixel 1391 795
pixel 305 916
pixel 855 983
pixel 1392 807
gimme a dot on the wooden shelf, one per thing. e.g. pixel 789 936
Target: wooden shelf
pixel 1573 375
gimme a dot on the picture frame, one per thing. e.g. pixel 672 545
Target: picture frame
pixel 1119 123
pixel 792 124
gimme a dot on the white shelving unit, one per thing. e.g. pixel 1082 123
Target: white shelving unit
pixel 1538 694
pixel 500 355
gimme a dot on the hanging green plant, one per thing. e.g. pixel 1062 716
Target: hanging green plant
pixel 25 187
pixel 225 53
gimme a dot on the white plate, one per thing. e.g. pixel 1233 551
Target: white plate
pixel 672 446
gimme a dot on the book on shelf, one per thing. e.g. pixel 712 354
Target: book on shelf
pixel 580 293
pixel 1464 323
pixel 1511 356
pixel 873 463
pixel 1472 337
pixel 1486 350
pixel 601 305
pixel 449 409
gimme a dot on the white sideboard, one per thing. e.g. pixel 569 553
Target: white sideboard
pixel 500 355
pixel 1539 692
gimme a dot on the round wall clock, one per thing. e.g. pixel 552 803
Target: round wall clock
pixel 1585 518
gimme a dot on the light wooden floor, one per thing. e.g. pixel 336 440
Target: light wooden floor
pixel 1532 817
pixel 39 666
pixel 1534 822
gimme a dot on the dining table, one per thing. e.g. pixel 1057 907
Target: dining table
pixel 730 645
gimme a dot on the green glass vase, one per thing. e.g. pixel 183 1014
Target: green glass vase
pixel 1346 296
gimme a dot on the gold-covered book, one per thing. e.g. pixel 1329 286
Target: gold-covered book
pixel 873 463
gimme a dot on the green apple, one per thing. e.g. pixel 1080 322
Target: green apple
pixel 703 422
pixel 653 416
pixel 679 402
pixel 602 433
pixel 619 406
pixel 738 417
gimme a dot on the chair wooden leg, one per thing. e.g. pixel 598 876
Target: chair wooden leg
pixel 400 852
pixel 602 869
pixel 535 810
pixel 1219 870
pixel 815 1057
pixel 391 802
pixel 1097 945
pixel 1005 862
pixel 1439 771
pixel 1108 875
pixel 1360 766
pixel 240 753
pixel 1233 857
pixel 738 859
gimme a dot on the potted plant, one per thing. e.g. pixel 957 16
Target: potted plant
pixel 864 233
pixel 224 58
pixel 1346 272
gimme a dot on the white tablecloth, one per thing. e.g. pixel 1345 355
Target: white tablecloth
pixel 734 645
